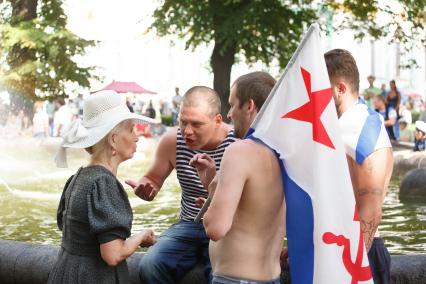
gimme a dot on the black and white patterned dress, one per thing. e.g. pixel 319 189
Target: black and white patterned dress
pixel 92 211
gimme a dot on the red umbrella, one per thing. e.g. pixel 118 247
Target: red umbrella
pixel 126 87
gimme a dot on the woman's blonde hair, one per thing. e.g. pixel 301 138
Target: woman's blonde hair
pixel 103 147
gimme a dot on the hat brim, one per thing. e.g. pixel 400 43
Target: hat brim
pixel 98 132
pixel 421 126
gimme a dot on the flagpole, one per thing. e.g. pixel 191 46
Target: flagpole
pixel 289 65
pixel 203 210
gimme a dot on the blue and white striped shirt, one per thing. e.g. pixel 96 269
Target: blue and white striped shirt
pixel 363 131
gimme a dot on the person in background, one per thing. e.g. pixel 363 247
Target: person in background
pixel 389 115
pixel 50 110
pixel 40 121
pixel 150 111
pixel 405 134
pixel 420 141
pixel 129 105
pixel 62 117
pixel 176 100
pixel 383 91
pixel 405 112
pixel 371 91
pixel 393 97
pixel 94 212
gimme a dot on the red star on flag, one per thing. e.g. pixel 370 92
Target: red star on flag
pixel 311 111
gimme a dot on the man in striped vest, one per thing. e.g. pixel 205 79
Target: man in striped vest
pixel 201 131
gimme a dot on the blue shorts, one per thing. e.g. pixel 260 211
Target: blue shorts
pixel 220 279
pixel 380 262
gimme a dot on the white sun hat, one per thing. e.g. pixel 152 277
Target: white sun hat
pixel 102 111
pixel 421 125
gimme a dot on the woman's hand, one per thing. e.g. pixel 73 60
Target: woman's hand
pixel 148 238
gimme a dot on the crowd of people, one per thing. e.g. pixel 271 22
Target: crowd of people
pixel 48 118
pixel 397 113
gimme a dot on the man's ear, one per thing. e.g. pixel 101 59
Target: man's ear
pixel 218 119
pixel 341 88
pixel 251 106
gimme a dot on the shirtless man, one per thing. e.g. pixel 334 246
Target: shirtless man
pixel 246 218
pixel 201 131
pixel 369 155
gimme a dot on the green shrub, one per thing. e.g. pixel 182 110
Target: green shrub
pixel 415 115
pixel 167 120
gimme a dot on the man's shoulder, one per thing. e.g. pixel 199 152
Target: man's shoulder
pixel 171 132
pixel 246 149
pixel 169 138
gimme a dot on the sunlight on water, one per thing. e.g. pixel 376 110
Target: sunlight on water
pixel 31 185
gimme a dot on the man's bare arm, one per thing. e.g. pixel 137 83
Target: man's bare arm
pixel 231 180
pixel 370 181
pixel 148 185
pixel 163 161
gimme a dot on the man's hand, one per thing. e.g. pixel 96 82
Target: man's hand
pixel 199 202
pixel 284 258
pixel 144 189
pixel 206 168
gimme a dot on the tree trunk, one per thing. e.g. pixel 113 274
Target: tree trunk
pixel 22 92
pixel 222 59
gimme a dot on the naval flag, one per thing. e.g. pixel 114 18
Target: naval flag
pixel 299 122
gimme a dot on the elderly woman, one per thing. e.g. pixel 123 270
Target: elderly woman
pixel 94 212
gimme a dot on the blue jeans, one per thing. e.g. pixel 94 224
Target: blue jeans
pixel 176 252
pixel 380 262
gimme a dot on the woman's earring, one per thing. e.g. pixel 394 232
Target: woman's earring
pixel 114 152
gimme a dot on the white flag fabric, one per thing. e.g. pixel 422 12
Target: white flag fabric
pixel 299 122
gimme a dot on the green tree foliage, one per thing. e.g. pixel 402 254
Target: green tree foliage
pixel 268 30
pixel 37 52
pixel 258 30
pixel 401 21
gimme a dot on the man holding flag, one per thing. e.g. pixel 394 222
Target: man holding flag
pixel 299 123
pixel 246 219
pixel 369 155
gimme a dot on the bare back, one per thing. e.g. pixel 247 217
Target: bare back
pixel 251 248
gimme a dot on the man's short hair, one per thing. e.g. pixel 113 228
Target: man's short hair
pixel 199 94
pixel 255 86
pixel 371 77
pixel 341 65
